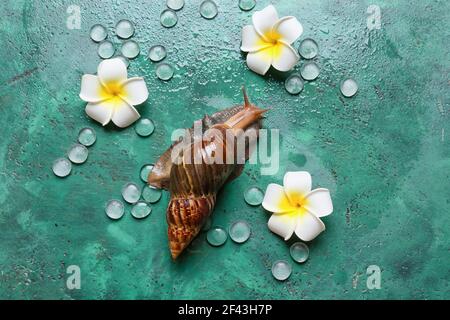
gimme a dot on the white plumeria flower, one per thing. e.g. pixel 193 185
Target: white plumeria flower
pixel 296 208
pixel 268 41
pixel 111 96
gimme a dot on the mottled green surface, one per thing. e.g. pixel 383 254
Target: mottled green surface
pixel 384 154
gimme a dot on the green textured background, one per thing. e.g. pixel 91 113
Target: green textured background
pixel 384 153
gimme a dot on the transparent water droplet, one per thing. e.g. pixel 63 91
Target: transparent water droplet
pixel 349 87
pixel 216 236
pixel 157 53
pixel 294 84
pixel 308 48
pixel 114 209
pixel 151 194
pixel 131 193
pixel 78 153
pixel 168 18
pixel 247 5
pixel 299 252
pixel 324 30
pixel 208 9
pixel 87 137
pixel 207 224
pixel 281 270
pixel 106 49
pixel 141 210
pixel 175 4
pixel 145 171
pixel 164 71
pixel 310 71
pixel 239 231
pixel 125 60
pixel 130 49
pixel 124 29
pixel 254 196
pixel 98 33
pixel 62 167
pixel 144 127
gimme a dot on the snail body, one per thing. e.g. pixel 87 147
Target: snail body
pixel 196 176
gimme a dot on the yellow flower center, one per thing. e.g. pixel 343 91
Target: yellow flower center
pixel 273 36
pixel 113 92
pixel 272 44
pixel 294 204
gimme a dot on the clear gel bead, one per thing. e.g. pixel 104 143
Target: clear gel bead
pixel 62 167
pixel 114 209
pixel 216 236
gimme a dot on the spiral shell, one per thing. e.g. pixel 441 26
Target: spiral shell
pixel 185 218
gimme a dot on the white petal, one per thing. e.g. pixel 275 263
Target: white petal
pixel 308 226
pixel 112 71
pixel 319 202
pixel 136 91
pixel 100 111
pixel 91 88
pixel 264 20
pixel 288 29
pixel 297 184
pixel 124 114
pixel 251 40
pixel 283 224
pixel 275 199
pixel 284 57
pixel 260 61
